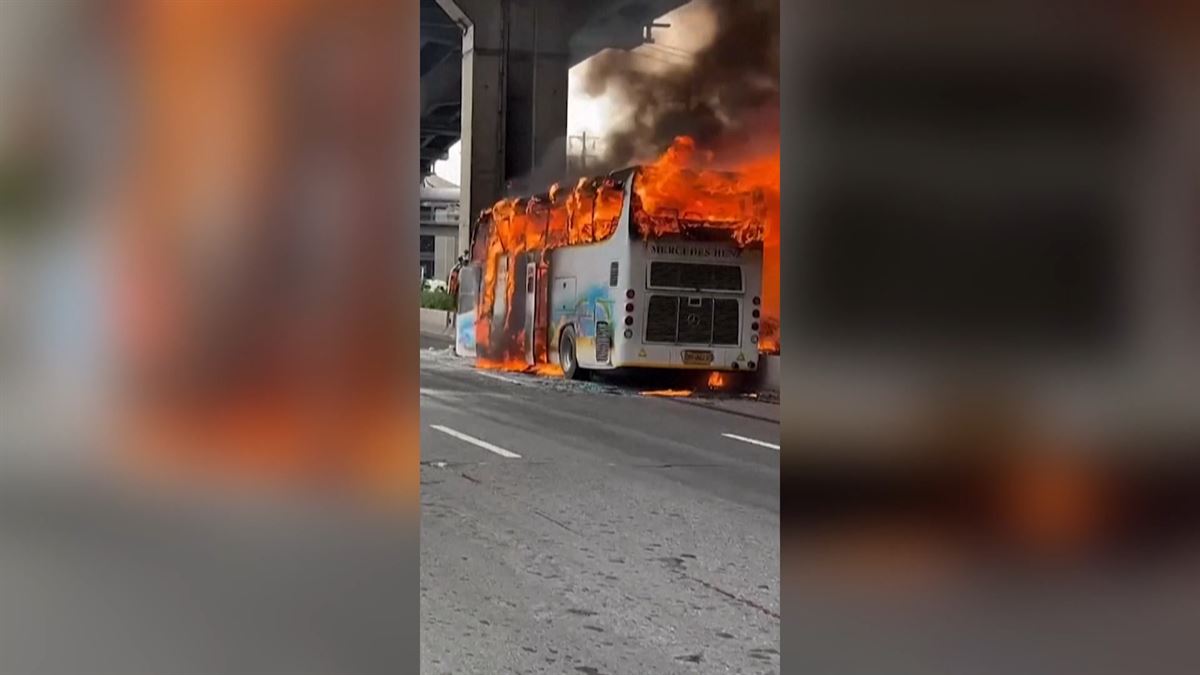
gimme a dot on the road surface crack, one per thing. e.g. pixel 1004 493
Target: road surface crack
pixel 557 522
pixel 678 566
pixel 733 596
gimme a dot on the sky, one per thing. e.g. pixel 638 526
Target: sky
pixel 690 30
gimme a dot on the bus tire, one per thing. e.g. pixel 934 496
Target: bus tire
pixel 567 357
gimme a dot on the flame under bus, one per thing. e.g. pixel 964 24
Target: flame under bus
pixel 685 295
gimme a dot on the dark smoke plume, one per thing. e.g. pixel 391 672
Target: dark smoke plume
pixel 727 97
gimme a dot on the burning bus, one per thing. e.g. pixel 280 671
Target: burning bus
pixel 657 266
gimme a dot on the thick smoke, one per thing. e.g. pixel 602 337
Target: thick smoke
pixel 726 97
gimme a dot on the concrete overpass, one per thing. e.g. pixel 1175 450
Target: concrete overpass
pixel 494 73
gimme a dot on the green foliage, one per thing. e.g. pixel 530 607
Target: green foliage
pixel 436 300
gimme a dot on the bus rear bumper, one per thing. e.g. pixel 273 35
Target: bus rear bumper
pixel 685 357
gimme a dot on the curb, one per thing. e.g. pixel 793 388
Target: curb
pixel 433 323
pixel 770 374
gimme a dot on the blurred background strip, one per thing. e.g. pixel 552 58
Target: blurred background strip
pixel 209 432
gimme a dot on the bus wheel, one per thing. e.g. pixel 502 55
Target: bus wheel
pixel 566 356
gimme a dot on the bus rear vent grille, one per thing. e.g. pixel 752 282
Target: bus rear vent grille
pixel 662 315
pixel 682 320
pixel 603 341
pixel 695 276
pixel 726 324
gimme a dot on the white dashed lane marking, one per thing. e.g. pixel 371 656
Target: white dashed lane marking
pixel 751 441
pixel 475 441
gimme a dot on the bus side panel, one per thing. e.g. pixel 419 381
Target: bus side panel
pixel 593 301
pixel 464 322
pixel 563 297
pixel 590 302
pixel 632 276
pixel 754 261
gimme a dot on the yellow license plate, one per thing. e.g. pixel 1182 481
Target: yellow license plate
pixel 697 358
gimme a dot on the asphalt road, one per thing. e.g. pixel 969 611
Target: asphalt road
pixel 575 529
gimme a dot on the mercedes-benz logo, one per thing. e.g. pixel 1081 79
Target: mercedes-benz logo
pixel 693 320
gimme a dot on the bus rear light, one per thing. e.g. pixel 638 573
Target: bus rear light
pixel 756 300
pixel 629 307
pixel 629 321
pixel 754 326
pixel 754 314
pixel 750 365
pixel 628 334
pixel 629 294
pixel 754 339
pixel 735 365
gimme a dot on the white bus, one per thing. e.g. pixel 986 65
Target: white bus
pixel 683 302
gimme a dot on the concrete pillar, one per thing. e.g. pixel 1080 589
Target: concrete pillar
pixel 483 112
pixel 445 253
pixel 536 119
pixel 514 98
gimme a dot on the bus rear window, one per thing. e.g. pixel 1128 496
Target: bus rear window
pixel 695 276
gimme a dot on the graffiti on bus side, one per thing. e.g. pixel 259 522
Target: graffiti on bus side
pixel 466 331
pixel 593 305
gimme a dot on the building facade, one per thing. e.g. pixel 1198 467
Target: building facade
pixel 439 228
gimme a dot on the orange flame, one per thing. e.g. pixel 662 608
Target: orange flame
pixel 546 369
pixel 681 190
pixel 500 364
pixel 588 213
pixel 519 366
pixel 763 174
pixel 669 393
pixel 717 380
